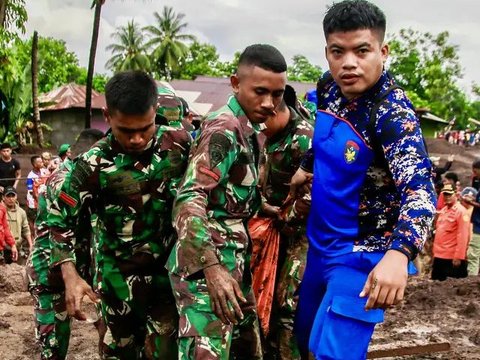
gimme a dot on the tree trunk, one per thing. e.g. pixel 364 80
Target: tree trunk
pixel 36 111
pixel 3 12
pixel 91 63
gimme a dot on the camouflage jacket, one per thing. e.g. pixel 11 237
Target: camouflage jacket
pixel 219 193
pixel 38 262
pixel 283 154
pixel 39 258
pixel 132 196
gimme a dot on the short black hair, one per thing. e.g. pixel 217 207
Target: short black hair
pixel 451 176
pixel 290 97
pixel 131 93
pixel 34 157
pixel 351 15
pixel 264 56
pixel 5 145
pixel 476 164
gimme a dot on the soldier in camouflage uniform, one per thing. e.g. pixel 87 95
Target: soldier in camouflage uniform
pixel 47 288
pixel 130 180
pixel 289 136
pixel 171 110
pixel 209 265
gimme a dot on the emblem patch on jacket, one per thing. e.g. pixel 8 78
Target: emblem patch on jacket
pixel 351 151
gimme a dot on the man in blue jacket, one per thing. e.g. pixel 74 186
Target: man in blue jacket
pixel 373 199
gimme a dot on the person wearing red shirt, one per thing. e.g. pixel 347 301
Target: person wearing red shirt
pixel 6 237
pixel 451 238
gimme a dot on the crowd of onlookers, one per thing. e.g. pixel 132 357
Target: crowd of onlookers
pixel 16 222
pixel 462 137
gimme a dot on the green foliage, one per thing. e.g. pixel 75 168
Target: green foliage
pixel 302 70
pixel 56 65
pixel 167 41
pixel 16 83
pixel 202 59
pixel 476 89
pixel 428 67
pixel 99 80
pixel 230 67
pixel 13 19
pixel 129 52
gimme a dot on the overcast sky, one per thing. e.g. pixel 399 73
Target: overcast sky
pixel 294 27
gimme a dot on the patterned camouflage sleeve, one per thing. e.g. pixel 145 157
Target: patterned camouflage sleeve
pixel 176 143
pixel 64 210
pixel 408 160
pixel 301 143
pixel 211 157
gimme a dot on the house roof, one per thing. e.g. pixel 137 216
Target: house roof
pixel 69 96
pixel 424 113
pixel 207 93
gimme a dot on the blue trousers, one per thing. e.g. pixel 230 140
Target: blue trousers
pixel 331 320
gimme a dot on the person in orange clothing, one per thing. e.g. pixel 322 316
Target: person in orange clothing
pixel 451 238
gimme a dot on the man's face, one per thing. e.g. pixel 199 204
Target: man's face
pixel 6 153
pixel 38 163
pixel 46 159
pixel 258 91
pixel 10 200
pixel 356 60
pixel 132 132
pixel 449 199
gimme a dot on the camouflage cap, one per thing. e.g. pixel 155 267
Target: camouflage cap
pixel 169 105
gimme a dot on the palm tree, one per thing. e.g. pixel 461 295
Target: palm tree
pixel 36 111
pixel 129 53
pixel 167 41
pixel 91 60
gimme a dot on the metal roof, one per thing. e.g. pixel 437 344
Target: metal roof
pixel 207 93
pixel 69 96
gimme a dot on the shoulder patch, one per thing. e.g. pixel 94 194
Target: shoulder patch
pixel 218 149
pixel 67 199
pixel 80 174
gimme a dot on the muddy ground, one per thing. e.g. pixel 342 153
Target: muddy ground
pixel 433 312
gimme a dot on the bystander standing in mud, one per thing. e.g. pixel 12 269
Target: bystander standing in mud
pixel 451 238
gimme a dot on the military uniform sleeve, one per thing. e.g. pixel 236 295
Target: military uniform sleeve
pixel 175 143
pixel 301 144
pixel 408 161
pixel 64 208
pixel 210 160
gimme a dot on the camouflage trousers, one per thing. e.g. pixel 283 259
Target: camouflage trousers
pixel 202 335
pixel 140 316
pixel 281 341
pixel 52 324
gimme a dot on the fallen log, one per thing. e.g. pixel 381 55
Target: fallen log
pixel 409 350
